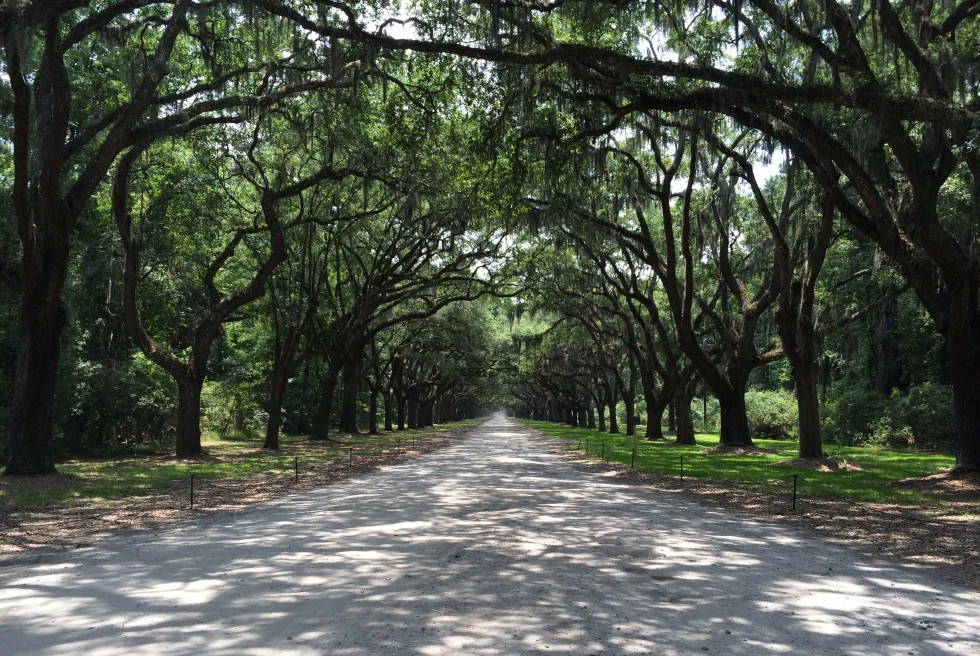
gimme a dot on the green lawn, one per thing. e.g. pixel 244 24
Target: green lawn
pixel 234 457
pixel 880 466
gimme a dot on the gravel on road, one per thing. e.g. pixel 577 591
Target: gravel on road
pixel 491 546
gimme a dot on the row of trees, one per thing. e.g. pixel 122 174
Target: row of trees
pixel 698 283
pixel 210 190
pixel 357 166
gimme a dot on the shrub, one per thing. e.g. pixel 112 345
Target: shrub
pixel 850 417
pixel 922 417
pixel 115 408
pixel 772 415
pixel 927 409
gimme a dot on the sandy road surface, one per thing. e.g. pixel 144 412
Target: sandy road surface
pixel 490 546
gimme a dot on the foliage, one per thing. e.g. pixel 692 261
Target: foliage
pixel 921 417
pixel 772 414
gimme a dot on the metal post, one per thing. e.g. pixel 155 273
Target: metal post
pixel 586 447
pixel 633 459
pixel 296 468
pixel 794 491
pixel 602 452
pixel 682 467
pixel 350 453
pixel 192 491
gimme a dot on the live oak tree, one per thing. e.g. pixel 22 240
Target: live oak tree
pixel 87 83
pixel 878 108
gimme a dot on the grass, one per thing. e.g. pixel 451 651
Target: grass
pixel 880 466
pixel 239 456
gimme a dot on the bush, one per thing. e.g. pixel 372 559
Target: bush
pixel 772 415
pixel 850 418
pixel 927 409
pixel 697 414
pixel 922 417
pixel 115 408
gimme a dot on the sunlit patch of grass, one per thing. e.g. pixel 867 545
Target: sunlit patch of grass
pixel 881 467
pixel 240 456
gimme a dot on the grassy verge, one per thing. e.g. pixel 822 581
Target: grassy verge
pixel 231 458
pixel 880 467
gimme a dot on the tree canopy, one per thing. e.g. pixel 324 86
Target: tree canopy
pixel 309 215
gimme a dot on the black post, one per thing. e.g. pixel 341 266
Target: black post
pixel 682 468
pixel 192 491
pixel 296 468
pixel 794 491
pixel 350 453
pixel 633 459
pixel 586 448
pixel 602 452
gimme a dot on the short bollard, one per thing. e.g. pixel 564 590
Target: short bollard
pixel 586 447
pixel 794 491
pixel 192 491
pixel 682 468
pixel 350 462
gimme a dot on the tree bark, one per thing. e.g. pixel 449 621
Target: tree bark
pixel 402 403
pixel 276 395
pixel 630 405
pixel 373 413
pixel 389 401
pixel 734 420
pixel 34 385
pixel 413 408
pixel 964 349
pixel 613 422
pixel 321 422
pixel 808 405
pixel 655 414
pixel 189 416
pixel 685 422
pixel 349 400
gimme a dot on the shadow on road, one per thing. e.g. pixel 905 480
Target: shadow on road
pixel 491 546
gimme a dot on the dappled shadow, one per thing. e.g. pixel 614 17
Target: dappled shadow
pixel 491 546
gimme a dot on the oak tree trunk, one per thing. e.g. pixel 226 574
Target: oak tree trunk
pixel 41 327
pixel 685 422
pixel 613 423
pixel 276 395
pixel 321 422
pixel 349 400
pixel 734 419
pixel 808 404
pixel 964 351
pixel 189 416
pixel 389 401
pixel 655 414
